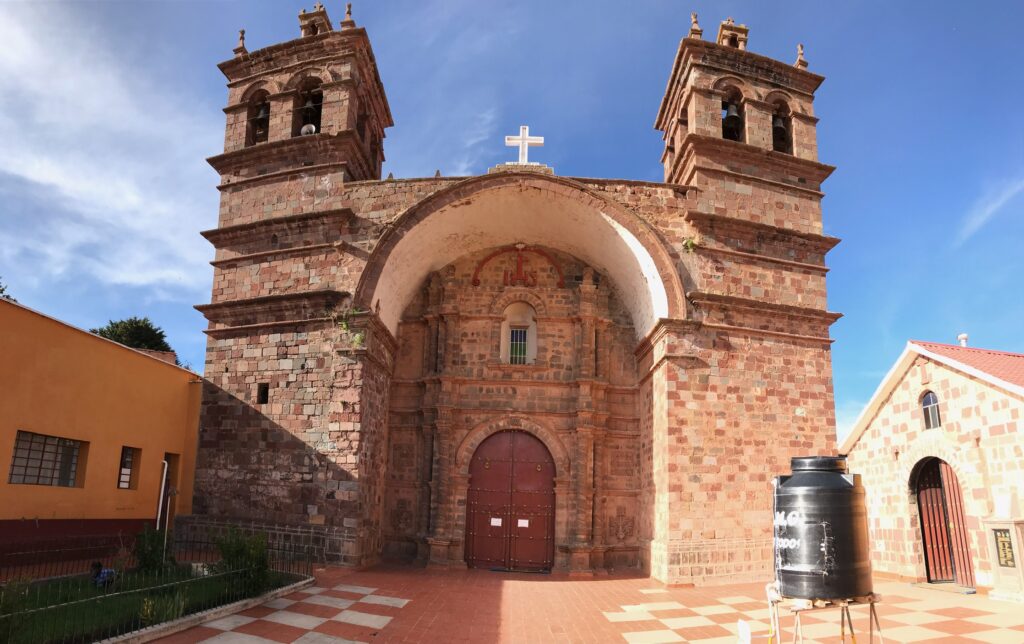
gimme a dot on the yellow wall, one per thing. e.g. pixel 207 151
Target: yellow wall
pixel 62 381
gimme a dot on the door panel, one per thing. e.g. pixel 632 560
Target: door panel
pixel 510 505
pixel 959 543
pixel 934 525
pixel 943 525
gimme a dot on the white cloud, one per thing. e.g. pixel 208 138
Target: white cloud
pixel 112 162
pixel 477 138
pixel 986 207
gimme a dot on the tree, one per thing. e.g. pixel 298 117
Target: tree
pixel 4 295
pixel 137 333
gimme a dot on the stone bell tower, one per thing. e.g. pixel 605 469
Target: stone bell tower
pixel 739 133
pixel 313 103
pixel 281 439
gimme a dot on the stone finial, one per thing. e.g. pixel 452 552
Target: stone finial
pixel 318 6
pixel 801 62
pixel 391 176
pixel 348 22
pixel 240 49
pixel 695 30
pixel 437 175
pixel 729 21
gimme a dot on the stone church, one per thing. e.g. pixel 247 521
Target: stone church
pixel 515 370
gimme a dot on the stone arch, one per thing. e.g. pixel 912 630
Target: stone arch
pixel 727 83
pixel 518 294
pixel 477 435
pixel 936 446
pixel 470 216
pixel 321 75
pixel 780 96
pixel 267 86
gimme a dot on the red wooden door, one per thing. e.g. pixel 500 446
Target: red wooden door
pixel 511 504
pixel 960 546
pixel 943 529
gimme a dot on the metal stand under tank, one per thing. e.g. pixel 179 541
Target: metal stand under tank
pixel 797 607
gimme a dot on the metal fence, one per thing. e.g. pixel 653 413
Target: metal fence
pixel 61 556
pixel 122 597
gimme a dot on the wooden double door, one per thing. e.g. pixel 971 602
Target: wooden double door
pixel 943 526
pixel 510 513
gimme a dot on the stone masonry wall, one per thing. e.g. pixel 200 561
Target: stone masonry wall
pixel 981 439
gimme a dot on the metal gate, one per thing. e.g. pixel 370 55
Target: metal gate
pixel 943 526
pixel 510 514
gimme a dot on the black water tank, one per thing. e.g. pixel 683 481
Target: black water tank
pixel 821 531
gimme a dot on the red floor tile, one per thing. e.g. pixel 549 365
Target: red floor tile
pixel 271 631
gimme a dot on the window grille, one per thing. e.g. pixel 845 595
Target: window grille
pixel 517 346
pixel 129 459
pixel 930 407
pixel 44 460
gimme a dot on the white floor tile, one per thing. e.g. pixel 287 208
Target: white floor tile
pixel 279 603
pixel 362 619
pixel 381 600
pixel 362 590
pixel 652 637
pixel 230 622
pixel 298 620
pixel 327 600
pixel 686 622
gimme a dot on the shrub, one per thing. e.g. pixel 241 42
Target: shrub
pixel 246 556
pixel 162 608
pixel 149 551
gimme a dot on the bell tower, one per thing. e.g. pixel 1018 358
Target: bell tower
pixel 313 102
pixel 726 106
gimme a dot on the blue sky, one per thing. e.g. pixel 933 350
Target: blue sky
pixel 108 110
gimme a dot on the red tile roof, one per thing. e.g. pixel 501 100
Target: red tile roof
pixel 1006 366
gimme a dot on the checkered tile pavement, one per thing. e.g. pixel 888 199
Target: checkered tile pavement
pixel 409 604
pixel 313 615
pixel 908 614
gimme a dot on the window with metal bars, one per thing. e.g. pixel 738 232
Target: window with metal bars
pixel 44 460
pixel 930 407
pixel 517 345
pixel 126 472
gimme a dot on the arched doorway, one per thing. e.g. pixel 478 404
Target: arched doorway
pixel 943 526
pixel 510 513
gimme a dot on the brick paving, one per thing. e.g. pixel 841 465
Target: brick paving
pixel 404 604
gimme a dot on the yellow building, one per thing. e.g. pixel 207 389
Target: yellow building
pixel 86 426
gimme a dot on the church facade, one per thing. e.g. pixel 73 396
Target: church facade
pixel 518 369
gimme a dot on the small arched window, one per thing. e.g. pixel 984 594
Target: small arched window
pixel 732 116
pixel 309 104
pixel 930 407
pixel 519 334
pixel 257 127
pixel 782 129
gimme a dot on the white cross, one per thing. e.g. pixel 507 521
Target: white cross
pixel 524 142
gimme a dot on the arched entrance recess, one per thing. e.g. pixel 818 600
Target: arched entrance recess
pixel 943 525
pixel 509 207
pixel 510 513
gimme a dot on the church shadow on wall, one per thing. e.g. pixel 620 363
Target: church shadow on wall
pixel 254 474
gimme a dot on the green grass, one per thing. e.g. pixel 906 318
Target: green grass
pixel 73 610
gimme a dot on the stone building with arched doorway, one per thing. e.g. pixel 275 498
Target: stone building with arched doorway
pixel 601 374
pixel 941 453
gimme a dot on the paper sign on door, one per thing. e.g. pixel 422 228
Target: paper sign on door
pixel 524 523
pixel 496 521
